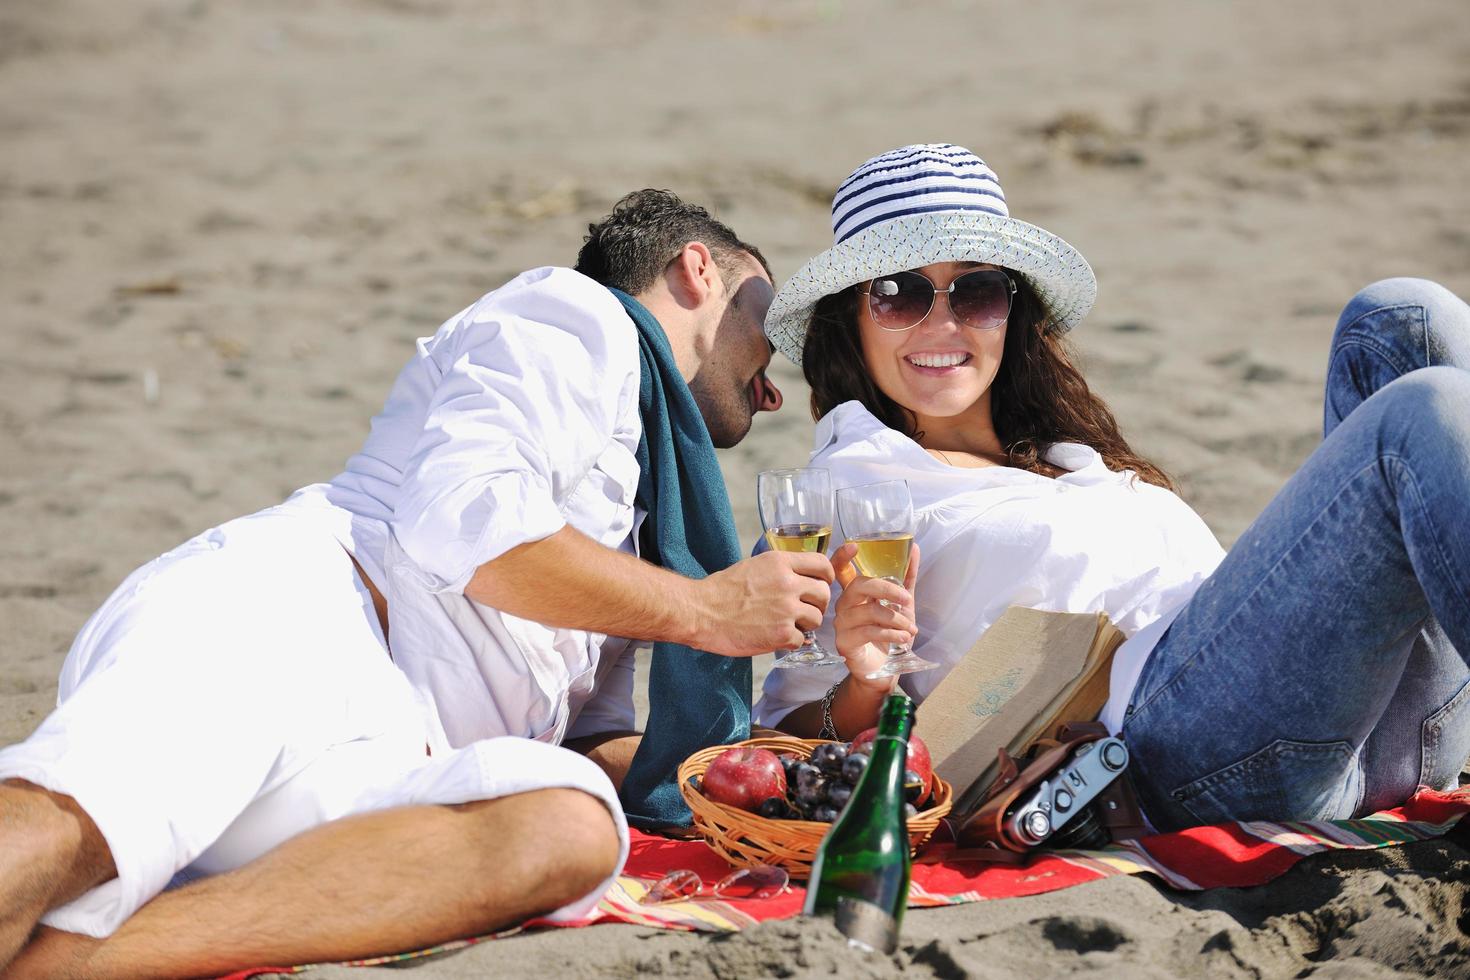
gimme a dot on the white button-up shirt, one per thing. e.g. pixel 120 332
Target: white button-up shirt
pixel 1091 540
pixel 518 417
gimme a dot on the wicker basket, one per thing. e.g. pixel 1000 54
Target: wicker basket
pixel 746 839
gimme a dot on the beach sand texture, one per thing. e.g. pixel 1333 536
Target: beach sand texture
pixel 224 225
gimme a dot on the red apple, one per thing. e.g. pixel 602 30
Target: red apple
pixel 918 759
pixel 744 777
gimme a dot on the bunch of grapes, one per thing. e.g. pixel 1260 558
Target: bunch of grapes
pixel 820 787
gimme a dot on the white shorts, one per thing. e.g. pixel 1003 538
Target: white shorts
pixel 236 692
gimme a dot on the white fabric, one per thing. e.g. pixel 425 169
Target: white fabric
pixel 1091 540
pixel 519 416
pixel 237 691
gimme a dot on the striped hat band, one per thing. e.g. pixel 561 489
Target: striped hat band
pixel 915 180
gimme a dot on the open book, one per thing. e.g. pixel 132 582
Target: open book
pixel 1028 673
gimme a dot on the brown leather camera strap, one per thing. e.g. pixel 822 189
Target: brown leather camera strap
pixel 1117 808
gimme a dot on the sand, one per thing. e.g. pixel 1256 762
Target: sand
pixel 224 225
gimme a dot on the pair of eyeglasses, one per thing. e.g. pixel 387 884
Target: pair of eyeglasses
pixel 979 299
pixel 761 881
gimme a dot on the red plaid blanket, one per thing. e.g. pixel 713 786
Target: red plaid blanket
pixel 1234 855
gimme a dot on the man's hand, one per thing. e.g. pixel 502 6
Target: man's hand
pixel 762 604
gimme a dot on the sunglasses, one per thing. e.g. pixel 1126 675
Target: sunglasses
pixel 761 881
pixel 979 299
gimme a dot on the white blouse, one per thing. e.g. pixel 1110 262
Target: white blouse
pixel 1091 540
pixel 518 417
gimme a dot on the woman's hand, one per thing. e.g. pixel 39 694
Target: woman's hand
pixel 865 626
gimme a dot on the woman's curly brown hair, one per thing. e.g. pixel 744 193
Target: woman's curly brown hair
pixel 1038 397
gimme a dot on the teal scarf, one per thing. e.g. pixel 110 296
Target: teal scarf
pixel 695 699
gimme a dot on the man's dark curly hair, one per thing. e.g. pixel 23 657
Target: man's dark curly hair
pixel 631 247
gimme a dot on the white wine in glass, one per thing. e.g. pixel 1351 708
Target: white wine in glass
pixel 800 537
pixel 879 519
pixel 885 555
pixel 796 511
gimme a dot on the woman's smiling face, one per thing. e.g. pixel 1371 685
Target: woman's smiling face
pixel 939 368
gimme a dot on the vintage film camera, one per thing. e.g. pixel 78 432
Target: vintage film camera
pixel 1068 794
pixel 1060 811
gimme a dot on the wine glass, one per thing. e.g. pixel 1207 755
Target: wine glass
pixel 879 519
pixel 796 511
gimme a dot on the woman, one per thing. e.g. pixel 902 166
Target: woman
pixel 1311 673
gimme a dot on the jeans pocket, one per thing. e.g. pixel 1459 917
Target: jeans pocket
pixel 1446 743
pixel 1286 780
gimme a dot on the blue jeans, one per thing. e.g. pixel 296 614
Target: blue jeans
pixel 1317 674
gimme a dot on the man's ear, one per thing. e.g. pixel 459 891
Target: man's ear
pixel 693 276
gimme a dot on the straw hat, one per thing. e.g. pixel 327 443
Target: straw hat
pixel 921 204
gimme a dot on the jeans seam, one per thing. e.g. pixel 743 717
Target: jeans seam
pixel 1431 730
pixel 1244 602
pixel 1446 568
pixel 1254 760
pixel 1429 736
pixel 1371 341
pixel 1342 351
pixel 1423 314
pixel 1374 346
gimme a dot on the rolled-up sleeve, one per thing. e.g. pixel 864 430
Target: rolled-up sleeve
pixel 530 383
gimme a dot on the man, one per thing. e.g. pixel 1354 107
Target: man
pixel 231 717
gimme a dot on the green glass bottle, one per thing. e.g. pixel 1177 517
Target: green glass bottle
pixel 860 876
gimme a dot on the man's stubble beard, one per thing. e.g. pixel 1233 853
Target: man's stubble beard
pixel 726 416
